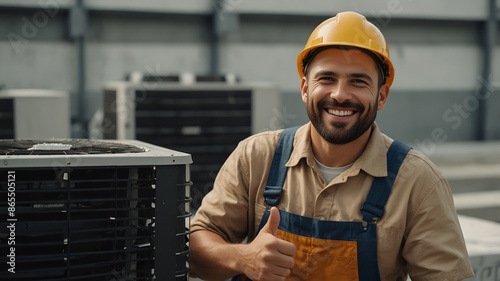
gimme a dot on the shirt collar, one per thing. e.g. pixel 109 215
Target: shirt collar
pixel 373 160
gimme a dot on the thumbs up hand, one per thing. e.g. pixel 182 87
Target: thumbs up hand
pixel 268 257
pixel 273 222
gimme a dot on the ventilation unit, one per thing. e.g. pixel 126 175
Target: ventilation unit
pixel 34 114
pixel 93 210
pixel 205 119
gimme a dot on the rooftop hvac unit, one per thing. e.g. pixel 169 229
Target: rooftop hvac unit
pixel 205 119
pixel 34 114
pixel 93 210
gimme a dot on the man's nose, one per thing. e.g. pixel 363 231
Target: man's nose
pixel 341 91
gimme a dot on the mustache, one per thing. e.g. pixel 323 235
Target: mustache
pixel 346 104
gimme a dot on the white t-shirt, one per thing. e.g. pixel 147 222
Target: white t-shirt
pixel 329 173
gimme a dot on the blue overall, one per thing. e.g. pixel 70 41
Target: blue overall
pixel 332 250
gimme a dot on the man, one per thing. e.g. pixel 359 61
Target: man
pixel 346 203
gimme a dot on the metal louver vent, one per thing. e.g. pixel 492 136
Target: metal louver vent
pixel 207 124
pixel 87 210
pixel 6 118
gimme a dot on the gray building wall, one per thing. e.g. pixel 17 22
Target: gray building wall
pixel 436 46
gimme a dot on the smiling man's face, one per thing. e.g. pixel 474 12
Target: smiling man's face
pixel 342 94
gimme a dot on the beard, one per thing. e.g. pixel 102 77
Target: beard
pixel 338 132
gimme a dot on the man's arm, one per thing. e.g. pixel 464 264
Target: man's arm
pixel 435 248
pixel 211 257
pixel 265 258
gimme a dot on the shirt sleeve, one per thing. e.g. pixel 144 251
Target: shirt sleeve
pixel 224 209
pixel 435 248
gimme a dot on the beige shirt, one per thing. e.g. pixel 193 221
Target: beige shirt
pixel 419 233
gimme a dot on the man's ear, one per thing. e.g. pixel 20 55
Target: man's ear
pixel 383 95
pixel 303 89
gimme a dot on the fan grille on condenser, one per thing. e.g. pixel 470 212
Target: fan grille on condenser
pixel 71 147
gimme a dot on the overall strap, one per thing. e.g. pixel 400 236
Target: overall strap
pixel 278 171
pixel 373 208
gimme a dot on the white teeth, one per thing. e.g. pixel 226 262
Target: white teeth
pixel 341 112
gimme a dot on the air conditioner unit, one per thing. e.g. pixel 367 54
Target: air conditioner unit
pixel 205 119
pixel 34 114
pixel 93 210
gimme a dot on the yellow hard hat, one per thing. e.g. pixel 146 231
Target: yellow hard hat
pixel 349 29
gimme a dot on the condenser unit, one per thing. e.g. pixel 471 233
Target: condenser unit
pixel 205 119
pixel 34 114
pixel 93 210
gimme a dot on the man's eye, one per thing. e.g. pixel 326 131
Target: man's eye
pixel 326 78
pixel 358 82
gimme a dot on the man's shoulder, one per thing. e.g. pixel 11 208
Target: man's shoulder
pixel 417 163
pixel 267 138
pixel 421 165
pixel 263 144
pixel 262 139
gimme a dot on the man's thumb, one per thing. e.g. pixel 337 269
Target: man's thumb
pixel 273 221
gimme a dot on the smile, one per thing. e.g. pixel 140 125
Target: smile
pixel 340 112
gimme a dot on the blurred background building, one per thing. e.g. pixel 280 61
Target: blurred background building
pixel 444 100
pixel 446 53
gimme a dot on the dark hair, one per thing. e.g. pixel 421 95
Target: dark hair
pixel 383 69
